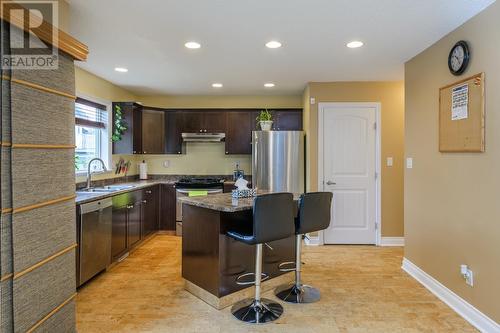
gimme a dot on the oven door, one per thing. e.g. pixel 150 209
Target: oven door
pixel 184 193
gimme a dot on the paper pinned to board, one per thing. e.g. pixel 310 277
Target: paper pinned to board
pixel 460 102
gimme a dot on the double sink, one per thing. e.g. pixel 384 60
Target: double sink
pixel 106 189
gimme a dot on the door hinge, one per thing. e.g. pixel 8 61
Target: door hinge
pixel 374 126
pixel 376 226
pixel 376 175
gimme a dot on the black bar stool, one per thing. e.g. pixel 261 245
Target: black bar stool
pixel 314 215
pixel 273 219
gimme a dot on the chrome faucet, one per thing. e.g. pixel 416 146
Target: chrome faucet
pixel 89 172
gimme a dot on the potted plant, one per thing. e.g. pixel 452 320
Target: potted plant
pixel 265 120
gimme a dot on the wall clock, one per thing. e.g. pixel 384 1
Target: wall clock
pixel 458 60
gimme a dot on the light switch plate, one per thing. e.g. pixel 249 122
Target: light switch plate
pixel 389 161
pixel 313 100
pixel 409 163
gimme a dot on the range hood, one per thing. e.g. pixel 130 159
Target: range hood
pixel 203 137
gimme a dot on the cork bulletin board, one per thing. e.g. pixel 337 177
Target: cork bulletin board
pixel 461 116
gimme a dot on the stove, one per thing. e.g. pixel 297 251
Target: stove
pixel 199 183
pixel 212 185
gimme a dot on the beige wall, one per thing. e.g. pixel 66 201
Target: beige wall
pixel 391 97
pixel 452 215
pixel 221 101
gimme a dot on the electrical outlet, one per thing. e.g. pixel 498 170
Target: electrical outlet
pixel 166 164
pixel 390 161
pixel 467 274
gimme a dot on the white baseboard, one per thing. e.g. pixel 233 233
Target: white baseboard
pixel 458 304
pixel 392 241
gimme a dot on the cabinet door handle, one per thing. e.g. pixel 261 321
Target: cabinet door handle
pixel 205 131
pixel 133 152
pixel 144 152
pixel 148 192
pixel 201 131
pixel 144 201
pixel 130 206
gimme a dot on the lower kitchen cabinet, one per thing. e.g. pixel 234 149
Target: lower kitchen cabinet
pixel 119 231
pixel 134 222
pixel 150 210
pixel 167 207
pixel 135 216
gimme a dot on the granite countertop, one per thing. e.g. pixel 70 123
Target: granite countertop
pixel 223 202
pixel 84 197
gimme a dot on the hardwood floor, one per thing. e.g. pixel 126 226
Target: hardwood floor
pixel 363 289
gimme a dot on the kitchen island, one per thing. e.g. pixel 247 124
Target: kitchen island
pixel 211 261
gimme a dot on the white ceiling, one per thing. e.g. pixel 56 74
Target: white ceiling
pixel 148 36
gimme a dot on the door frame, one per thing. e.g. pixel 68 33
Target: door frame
pixel 378 154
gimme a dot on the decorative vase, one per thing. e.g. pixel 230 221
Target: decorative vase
pixel 266 125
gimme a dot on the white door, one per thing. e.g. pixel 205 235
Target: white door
pixel 348 170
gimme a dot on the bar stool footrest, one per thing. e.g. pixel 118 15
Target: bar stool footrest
pixel 264 277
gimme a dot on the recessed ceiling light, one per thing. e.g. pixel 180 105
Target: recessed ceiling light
pixel 192 45
pixel 217 85
pixel 354 44
pixel 269 85
pixel 273 44
pixel 121 69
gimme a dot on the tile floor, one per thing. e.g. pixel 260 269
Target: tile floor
pixel 363 290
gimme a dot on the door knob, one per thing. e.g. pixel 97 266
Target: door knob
pixel 330 183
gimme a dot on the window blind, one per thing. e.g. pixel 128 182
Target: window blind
pixel 90 114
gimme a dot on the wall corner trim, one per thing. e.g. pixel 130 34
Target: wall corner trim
pixel 392 241
pixel 455 302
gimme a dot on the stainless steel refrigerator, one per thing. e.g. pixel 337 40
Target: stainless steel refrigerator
pixel 278 161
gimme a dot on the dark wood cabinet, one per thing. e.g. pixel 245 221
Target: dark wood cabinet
pixel 134 234
pixel 192 121
pixel 167 207
pixel 150 210
pixel 214 121
pixel 159 131
pixel 145 132
pixel 135 216
pixel 153 131
pixel 173 130
pixel 203 121
pixel 131 141
pixel 119 231
pixel 287 120
pixel 239 132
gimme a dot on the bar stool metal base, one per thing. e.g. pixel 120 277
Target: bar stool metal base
pixel 293 294
pixel 257 312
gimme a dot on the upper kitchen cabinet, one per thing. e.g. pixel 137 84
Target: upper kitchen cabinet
pixel 287 120
pixel 201 121
pixel 214 121
pixel 239 127
pixel 173 129
pixel 131 138
pixel 145 133
pixel 153 131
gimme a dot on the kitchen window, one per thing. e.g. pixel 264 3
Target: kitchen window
pixel 91 134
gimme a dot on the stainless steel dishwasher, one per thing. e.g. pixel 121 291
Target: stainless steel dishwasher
pixel 94 242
